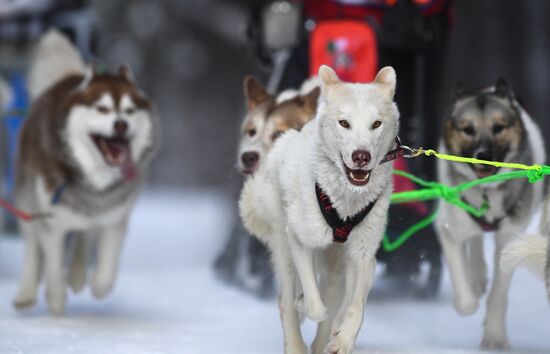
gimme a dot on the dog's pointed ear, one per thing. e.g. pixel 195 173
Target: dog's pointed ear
pixel 327 76
pixel 309 100
pixel 125 72
pixel 386 79
pixel 254 92
pixel 502 88
pixel 89 74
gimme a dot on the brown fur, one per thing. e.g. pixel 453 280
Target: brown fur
pixel 289 114
pixel 292 114
pixel 255 93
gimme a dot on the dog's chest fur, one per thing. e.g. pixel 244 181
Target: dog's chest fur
pixel 296 178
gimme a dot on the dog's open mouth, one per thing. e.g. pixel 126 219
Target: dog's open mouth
pixel 482 171
pixel 116 152
pixel 247 171
pixel 357 177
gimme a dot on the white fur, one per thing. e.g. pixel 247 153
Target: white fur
pixel 47 238
pixel 529 250
pixel 278 204
pixel 253 143
pixel 462 244
pixel 86 120
pixel 306 87
pixel 55 59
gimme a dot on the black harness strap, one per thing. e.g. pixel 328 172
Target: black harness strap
pixel 340 228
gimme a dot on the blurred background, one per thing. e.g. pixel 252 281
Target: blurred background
pixel 190 57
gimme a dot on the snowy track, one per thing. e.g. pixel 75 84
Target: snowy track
pixel 167 300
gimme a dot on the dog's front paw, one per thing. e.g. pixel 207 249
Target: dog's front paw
pixel 494 336
pixel 315 311
pixel 339 345
pixel 495 343
pixel 56 301
pixel 466 305
pixel 101 287
pixel 24 299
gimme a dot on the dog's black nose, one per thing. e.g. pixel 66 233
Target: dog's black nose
pixel 250 159
pixel 360 158
pixel 484 155
pixel 121 127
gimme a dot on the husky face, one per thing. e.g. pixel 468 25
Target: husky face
pixel 358 123
pixel 108 129
pixel 253 146
pixel 486 125
pixel 268 119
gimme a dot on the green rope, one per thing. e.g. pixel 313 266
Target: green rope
pixel 452 194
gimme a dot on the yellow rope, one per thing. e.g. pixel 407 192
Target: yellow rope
pixel 472 160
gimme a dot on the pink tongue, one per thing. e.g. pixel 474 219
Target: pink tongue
pixel 129 170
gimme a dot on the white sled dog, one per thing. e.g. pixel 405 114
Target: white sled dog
pixel 490 125
pixel 319 188
pixel 245 260
pixel 83 153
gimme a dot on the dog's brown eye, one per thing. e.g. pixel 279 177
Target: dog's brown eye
pixel 103 109
pixel 276 135
pixel 498 128
pixel 344 123
pixel 251 132
pixel 469 130
pixel 129 111
pixel 376 124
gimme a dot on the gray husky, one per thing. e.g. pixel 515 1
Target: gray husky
pixel 490 125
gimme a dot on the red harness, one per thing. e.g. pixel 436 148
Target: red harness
pixel 342 228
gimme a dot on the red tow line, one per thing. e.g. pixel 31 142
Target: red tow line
pixel 20 214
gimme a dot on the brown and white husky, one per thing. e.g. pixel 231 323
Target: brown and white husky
pixel 83 154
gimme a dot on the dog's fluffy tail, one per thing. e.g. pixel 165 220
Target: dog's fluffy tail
pixel 529 251
pixel 307 86
pixel 55 58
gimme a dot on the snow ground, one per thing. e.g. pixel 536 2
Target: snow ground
pixel 167 300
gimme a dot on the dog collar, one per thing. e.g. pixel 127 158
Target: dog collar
pixel 340 228
pixel 400 151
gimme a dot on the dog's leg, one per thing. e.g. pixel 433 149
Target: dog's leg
pixel 53 246
pixel 494 335
pixel 30 279
pixel 310 304
pixel 477 268
pixel 109 245
pixel 79 262
pixel 282 262
pixel 359 279
pixel 465 301
pixel 332 285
